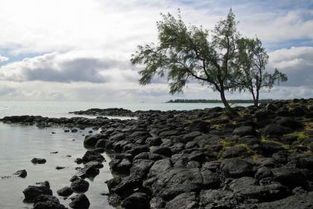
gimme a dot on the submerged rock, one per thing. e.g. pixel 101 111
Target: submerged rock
pixel 21 173
pixel 38 161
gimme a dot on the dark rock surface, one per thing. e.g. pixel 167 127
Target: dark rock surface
pixel 33 192
pixel 21 173
pixel 80 186
pixel 80 201
pixel 201 159
pixel 38 161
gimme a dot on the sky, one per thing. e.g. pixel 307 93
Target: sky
pixel 79 50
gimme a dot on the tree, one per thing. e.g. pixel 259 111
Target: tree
pixel 252 59
pixel 183 53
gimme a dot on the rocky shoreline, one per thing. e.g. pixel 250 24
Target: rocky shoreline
pixel 199 159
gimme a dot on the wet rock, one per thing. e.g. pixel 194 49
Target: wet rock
pixel 289 176
pixel 303 201
pixel 74 178
pixel 246 188
pixel 176 181
pixel 235 151
pixel 80 186
pixel 212 166
pixel 215 199
pixel 21 173
pixel 65 191
pixel 305 162
pixel 91 141
pixel 47 202
pixel 159 167
pixel 80 201
pixel 32 192
pixel 275 129
pixel 136 201
pixel 190 136
pixel 166 151
pixel 38 161
pixel 114 200
pixel 153 141
pixel 289 122
pixel 183 201
pixel 92 156
pixel 244 131
pixel 263 172
pixel 139 149
pixel 120 166
pixel 236 167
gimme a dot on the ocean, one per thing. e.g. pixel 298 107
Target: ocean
pixel 19 144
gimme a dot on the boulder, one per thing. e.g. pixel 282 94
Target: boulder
pixel 244 131
pixel 92 156
pixel 90 169
pixel 183 201
pixel 176 181
pixel 65 191
pixel 21 173
pixel 136 201
pixel 166 151
pixel 236 167
pixel 91 140
pixel 303 201
pixel 290 177
pixel 80 201
pixel 215 199
pixel 159 167
pixel 47 202
pixel 80 186
pixel 275 130
pixel 38 160
pixel 246 188
pixel 235 151
pixel 32 192
pixel 120 165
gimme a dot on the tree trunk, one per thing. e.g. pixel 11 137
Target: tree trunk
pixel 228 108
pixel 256 101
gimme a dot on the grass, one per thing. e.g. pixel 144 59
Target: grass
pixel 266 140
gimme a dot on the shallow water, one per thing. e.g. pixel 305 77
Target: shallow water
pixel 19 144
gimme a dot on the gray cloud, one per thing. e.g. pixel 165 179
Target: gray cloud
pixel 296 62
pixel 56 67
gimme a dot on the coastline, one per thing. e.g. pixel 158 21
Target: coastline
pixel 201 158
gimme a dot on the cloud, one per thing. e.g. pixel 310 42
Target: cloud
pixel 80 50
pixel 296 62
pixel 68 67
pixel 3 58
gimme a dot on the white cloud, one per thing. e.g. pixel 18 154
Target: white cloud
pixel 83 47
pixel 3 58
pixel 76 66
pixel 296 62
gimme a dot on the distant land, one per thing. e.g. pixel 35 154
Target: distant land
pixel 216 101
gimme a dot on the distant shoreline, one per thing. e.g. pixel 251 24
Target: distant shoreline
pixel 216 101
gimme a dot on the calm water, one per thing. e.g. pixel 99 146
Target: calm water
pixel 19 144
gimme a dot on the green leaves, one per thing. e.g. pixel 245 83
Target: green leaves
pixel 221 59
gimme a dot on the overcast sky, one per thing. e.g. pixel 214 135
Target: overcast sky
pixel 79 50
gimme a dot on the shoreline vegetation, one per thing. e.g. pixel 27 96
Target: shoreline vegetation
pixel 231 101
pixel 199 158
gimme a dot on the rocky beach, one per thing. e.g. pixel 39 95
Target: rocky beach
pixel 197 159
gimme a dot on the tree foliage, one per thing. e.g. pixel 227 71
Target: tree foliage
pixel 252 60
pixel 214 58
